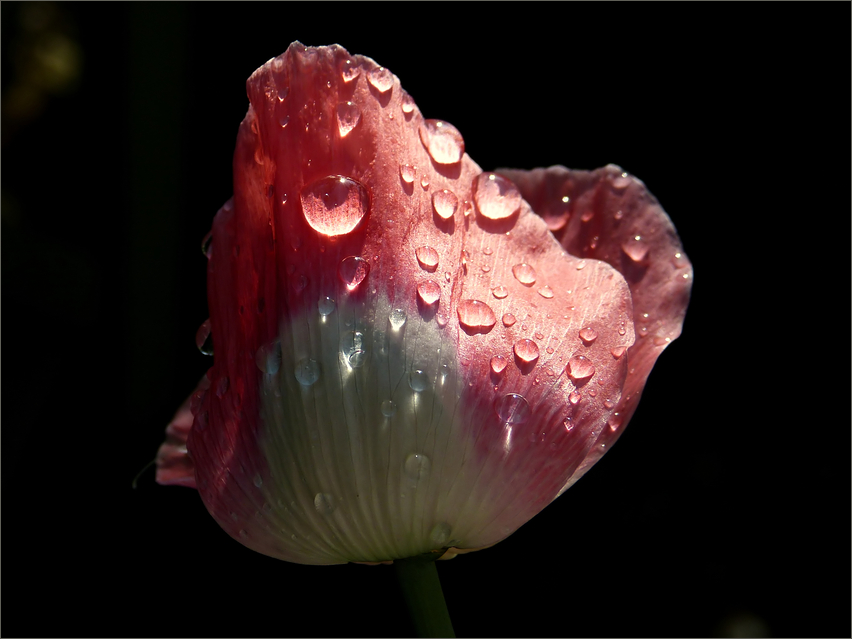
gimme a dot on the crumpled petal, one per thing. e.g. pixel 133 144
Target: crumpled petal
pixel 174 465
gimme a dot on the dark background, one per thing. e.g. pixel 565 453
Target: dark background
pixel 725 508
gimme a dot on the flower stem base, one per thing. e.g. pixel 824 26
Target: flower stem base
pixel 421 589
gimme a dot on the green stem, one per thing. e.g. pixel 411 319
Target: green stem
pixel 421 588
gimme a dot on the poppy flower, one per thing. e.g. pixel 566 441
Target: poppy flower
pixel 412 355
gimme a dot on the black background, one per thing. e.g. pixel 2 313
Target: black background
pixel 724 509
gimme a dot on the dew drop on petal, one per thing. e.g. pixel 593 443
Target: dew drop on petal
pixel 324 503
pixel 513 409
pixel 429 292
pixel 268 358
pixel 352 271
pixel 203 338
pixel 580 367
pixel 258 480
pixel 424 182
pixel 440 534
pixel 476 316
pixel 526 350
pixel 348 117
pixel 635 248
pixel 496 197
pixel 621 182
pixel 500 292
pixel 442 140
pixel 407 172
pixel 509 319
pixel 574 397
pixel 381 78
pixel 350 70
pixel 388 408
pixel 614 422
pixel 427 257
pixel 445 203
pixel 418 380
pixel 417 466
pixel 307 371
pixel 325 305
pixel 335 205
pixel 407 103
pixel 546 292
pixel 581 265
pixel 618 351
pixel 397 318
pixel 588 335
pixel 498 363
pixel 524 273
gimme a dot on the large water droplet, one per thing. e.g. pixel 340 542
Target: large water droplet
pixel 509 319
pixel 580 368
pixel 429 292
pixel 476 316
pixel 498 363
pixel 388 408
pixel 496 197
pixel 348 117
pixel 397 318
pixel 427 257
pixel 442 140
pixel 352 271
pixel 635 248
pixel 268 357
pixel 324 503
pixel 307 371
pixel 325 305
pixel 588 335
pixel 417 466
pixel 524 273
pixel 500 292
pixel 513 409
pixel 526 350
pixel 445 203
pixel 440 534
pixel 407 172
pixel 381 79
pixel 335 205
pixel 418 380
pixel 203 338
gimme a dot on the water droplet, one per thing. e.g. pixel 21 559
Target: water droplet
pixel 354 349
pixel 388 408
pixel 348 117
pixel 487 250
pixel 268 357
pixel 427 257
pixel 325 503
pixel 381 79
pixel 621 182
pixel 307 371
pixel 546 292
pixel 498 363
pixel 258 480
pixel 442 140
pixel 574 397
pixel 524 273
pixel 325 305
pixel 407 103
pixel 621 329
pixel 580 368
pixel 476 316
pixel 418 380
pixel 284 120
pixel 350 70
pixel 207 244
pixel 352 271
pixel 397 318
pixel 526 350
pixel 509 319
pixel 635 248
pixel 486 268
pixel 539 335
pixel 442 319
pixel 445 203
pixel 500 292
pixel 424 182
pixel 588 335
pixel 587 215
pixel 608 403
pixel 407 172
pixel 440 534
pixel 222 387
pixel 614 422
pixel 429 292
pixel 335 205
pixel 203 338
pixel 496 197
pixel 618 351
pixel 417 466
pixel 581 265
pixel 513 409
pixel 243 534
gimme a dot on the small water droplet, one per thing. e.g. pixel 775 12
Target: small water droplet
pixel 268 357
pixel 509 319
pixel 618 351
pixel 427 257
pixel 442 319
pixel 417 466
pixel 424 182
pixel 284 120
pixel 258 480
pixel 500 292
pixel 354 349
pixel 574 397
pixel 513 409
pixel 539 335
pixel 524 273
pixel 588 335
pixel 407 172
pixel 587 215
pixel 335 205
pixel 442 140
pixel 407 103
pixel 498 363
pixel 476 316
pixel 207 244
pixel 381 78
pixel 429 292
pixel 581 265
pixel 568 423
pixel 397 318
pixel 352 271
pixel 350 70
pixel 445 203
pixel 580 368
pixel 614 422
pixel 546 292
pixel 621 182
pixel 635 248
pixel 496 197
pixel 325 503
pixel 593 393
pixel 618 215
pixel 487 250
pixel 326 305
pixel 388 408
pixel 222 387
pixel 243 534
pixel 307 371
pixel 348 117
pixel 608 403
pixel 621 329
pixel 526 350
pixel 418 380
pixel 440 534
pixel 203 338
